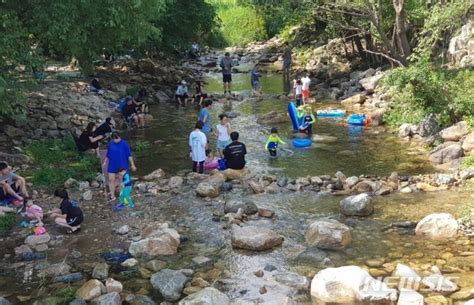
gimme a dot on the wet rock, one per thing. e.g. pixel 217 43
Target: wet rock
pixel 155 175
pixel 87 195
pixel 34 240
pixel 254 238
pixel 129 263
pixel 68 278
pixel 351 285
pixel 455 132
pixel 123 230
pixel 199 282
pixel 328 234
pixel 409 297
pixel 207 296
pixel 468 143
pixel 265 213
pixel 100 271
pixel 90 290
pixel 292 280
pixel 282 181
pixel 157 240
pixel 351 181
pixel 112 285
pixel 205 189
pixel 139 300
pixel 170 283
pixel 315 180
pixel 364 187
pixel 227 187
pixel 155 265
pixel 78 302
pixel 371 82
pixel 112 298
pixel 233 206
pixel 4 301
pixel 312 255
pixel 446 153
pixel 437 226
pixel 200 261
pixel 359 205
pixel 235 174
pixel 273 188
pixel 269 268
pixel 175 182
pixel 256 187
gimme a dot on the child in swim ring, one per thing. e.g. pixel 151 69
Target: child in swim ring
pixel 272 142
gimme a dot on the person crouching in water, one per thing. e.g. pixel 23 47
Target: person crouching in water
pixel 272 142
pixel 307 119
pixel 125 190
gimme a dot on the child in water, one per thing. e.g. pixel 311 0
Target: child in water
pixel 305 113
pixel 126 192
pixel 211 162
pixel 272 142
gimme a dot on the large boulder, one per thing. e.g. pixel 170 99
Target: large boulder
pixel 437 226
pixel 247 206
pixel 371 82
pixel 34 240
pixel 254 238
pixel 446 153
pixel 350 285
pixel 468 143
pixel 157 239
pixel 236 174
pixel 207 296
pixel 211 186
pixel 91 290
pixel 429 126
pixel 358 205
pixel 455 132
pixel 355 99
pixel 328 234
pixel 155 175
pixel 169 283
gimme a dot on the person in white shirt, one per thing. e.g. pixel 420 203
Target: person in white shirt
pixel 298 86
pixel 198 145
pixel 306 81
pixel 223 131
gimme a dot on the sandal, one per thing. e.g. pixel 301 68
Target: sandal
pixel 70 231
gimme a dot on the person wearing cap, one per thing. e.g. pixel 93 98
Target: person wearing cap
pixel 182 93
pixel 119 155
pixel 11 184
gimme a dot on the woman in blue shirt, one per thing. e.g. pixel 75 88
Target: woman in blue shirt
pixel 119 155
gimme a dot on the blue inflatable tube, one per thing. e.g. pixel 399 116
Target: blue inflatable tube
pixel 302 142
pixel 337 113
pixel 356 119
pixel 293 116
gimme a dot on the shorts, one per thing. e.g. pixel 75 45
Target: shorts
pixel 223 144
pixel 7 197
pixel 184 96
pixel 75 221
pixel 227 78
pixel 305 93
pixel 131 118
pixel 200 95
pixel 286 64
pixel 299 99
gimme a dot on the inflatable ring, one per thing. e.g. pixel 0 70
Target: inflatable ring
pixel 302 142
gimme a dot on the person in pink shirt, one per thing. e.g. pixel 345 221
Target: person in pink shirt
pixel 32 211
pixel 211 162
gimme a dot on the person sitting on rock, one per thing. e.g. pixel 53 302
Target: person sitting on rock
pixel 87 140
pixel 104 129
pixel 199 94
pixel 211 162
pixel 69 215
pixel 96 87
pixel 12 186
pixel 182 93
pixel 235 152
pixel 132 115
pixel 139 100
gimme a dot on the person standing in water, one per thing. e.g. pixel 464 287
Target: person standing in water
pixel 205 116
pixel 306 81
pixel 198 145
pixel 255 79
pixel 226 66
pixel 287 59
pixel 272 142
pixel 223 131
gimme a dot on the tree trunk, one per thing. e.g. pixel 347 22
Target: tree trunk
pixel 401 32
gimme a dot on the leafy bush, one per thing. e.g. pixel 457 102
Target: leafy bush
pixel 50 172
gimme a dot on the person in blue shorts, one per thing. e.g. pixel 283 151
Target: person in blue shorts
pixel 119 155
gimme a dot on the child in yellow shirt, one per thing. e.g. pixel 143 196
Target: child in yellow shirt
pixel 272 142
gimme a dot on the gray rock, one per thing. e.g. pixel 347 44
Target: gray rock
pixel 87 195
pixel 254 238
pixel 34 240
pixel 446 153
pixel 100 271
pixel 358 205
pixel 269 268
pixel 139 300
pixel 328 234
pixel 282 181
pixel 455 132
pixel 123 230
pixel 68 278
pixel 175 182
pixel 371 82
pixel 170 283
pixel 292 280
pixel 112 298
pixel 405 130
pixel 207 296
pixel 84 185
pixel 312 255
pixel 78 302
pixel 233 205
pixel 467 173
pixel 429 126
pixel 4 301
pixel 352 181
